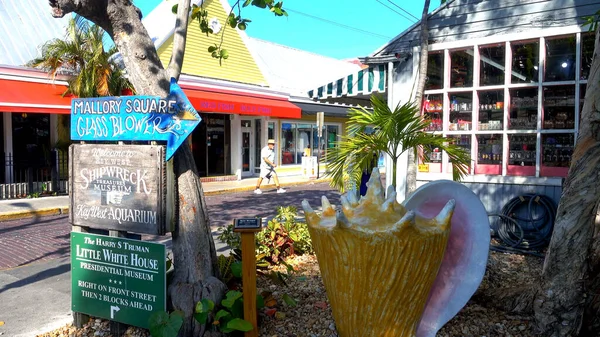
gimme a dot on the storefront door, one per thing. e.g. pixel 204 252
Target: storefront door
pixel 247 149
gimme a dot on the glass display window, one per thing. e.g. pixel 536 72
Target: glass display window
pixel 557 149
pixel 433 112
pixel 523 109
pixel 288 143
pixel 560 59
pixel 559 107
pixel 491 110
pixel 489 154
pixel 463 141
pixel 521 154
pixel 492 65
pixel 525 62
pixel 461 68
pixel 587 54
pixel 431 160
pixel 461 112
pixel 435 71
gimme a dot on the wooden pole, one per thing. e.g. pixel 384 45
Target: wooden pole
pixel 249 281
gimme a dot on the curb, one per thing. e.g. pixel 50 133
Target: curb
pixel 252 187
pixel 33 213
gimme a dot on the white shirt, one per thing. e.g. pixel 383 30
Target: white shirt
pixel 266 152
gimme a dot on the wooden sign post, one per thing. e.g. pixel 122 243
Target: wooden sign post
pixel 247 228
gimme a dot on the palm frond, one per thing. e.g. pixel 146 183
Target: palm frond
pixel 394 132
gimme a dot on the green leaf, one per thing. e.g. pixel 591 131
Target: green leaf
pixel 289 300
pixel 224 53
pixel 230 299
pixel 247 3
pixel 260 302
pixel 239 325
pixel 205 305
pixel 212 49
pixel 259 3
pixel 232 21
pixel 241 26
pixel 201 317
pixel 236 269
pixel 174 8
pixel 164 325
pixel 221 314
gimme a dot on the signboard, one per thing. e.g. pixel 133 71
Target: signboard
pixel 139 118
pixel 423 167
pixel 118 279
pixel 119 187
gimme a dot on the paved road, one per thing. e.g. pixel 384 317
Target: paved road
pixel 35 273
pixel 33 240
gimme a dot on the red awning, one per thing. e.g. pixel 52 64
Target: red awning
pixel 33 97
pixel 214 100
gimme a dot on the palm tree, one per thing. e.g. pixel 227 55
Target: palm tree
pixel 82 54
pixel 393 132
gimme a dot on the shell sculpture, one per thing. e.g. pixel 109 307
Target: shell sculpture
pixel 379 261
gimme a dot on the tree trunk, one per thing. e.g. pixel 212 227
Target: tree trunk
pixel 411 171
pixel 193 246
pixel 559 304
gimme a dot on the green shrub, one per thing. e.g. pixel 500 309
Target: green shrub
pixel 282 237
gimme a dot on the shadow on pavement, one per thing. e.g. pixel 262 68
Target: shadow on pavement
pixel 40 276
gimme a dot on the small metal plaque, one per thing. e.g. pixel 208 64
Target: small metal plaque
pixel 253 224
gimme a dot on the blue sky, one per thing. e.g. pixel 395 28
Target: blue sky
pixel 335 28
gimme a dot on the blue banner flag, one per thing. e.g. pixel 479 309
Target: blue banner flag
pixel 135 118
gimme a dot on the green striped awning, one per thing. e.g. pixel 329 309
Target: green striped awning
pixel 362 82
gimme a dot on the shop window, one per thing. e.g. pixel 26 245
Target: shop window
pixel 557 150
pixel 463 141
pixel 521 155
pixel 431 160
pixel 489 154
pixel 300 140
pixel 461 112
pixel 288 143
pixel 492 65
pixel 491 110
pixel 461 71
pixel 31 142
pixel 433 112
pixel 560 59
pixel 525 62
pixel 523 109
pixel 559 107
pixel 587 53
pixel 332 135
pixel 435 71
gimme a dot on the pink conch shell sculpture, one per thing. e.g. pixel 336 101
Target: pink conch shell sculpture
pixel 466 254
pixel 393 269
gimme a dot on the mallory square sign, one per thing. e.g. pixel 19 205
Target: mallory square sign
pixel 118 279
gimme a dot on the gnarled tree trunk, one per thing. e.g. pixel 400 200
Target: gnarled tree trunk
pixel 411 171
pixel 193 246
pixel 560 301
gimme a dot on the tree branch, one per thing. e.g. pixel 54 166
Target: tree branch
pixel 179 39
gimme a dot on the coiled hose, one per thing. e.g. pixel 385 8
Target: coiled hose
pixel 525 223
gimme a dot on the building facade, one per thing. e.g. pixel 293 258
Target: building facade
pixel 506 80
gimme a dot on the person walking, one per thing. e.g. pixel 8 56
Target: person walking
pixel 267 167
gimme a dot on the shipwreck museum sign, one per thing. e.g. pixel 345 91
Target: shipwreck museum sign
pixel 118 187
